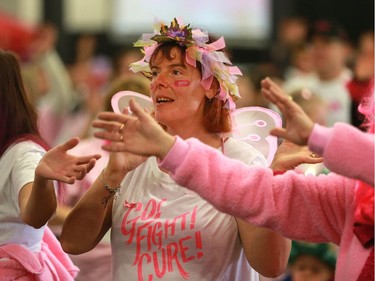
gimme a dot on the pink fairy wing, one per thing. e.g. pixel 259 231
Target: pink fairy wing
pixel 253 124
pixel 121 100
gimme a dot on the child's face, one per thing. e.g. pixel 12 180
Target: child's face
pixel 310 268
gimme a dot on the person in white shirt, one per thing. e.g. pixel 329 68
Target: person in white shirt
pixel 160 230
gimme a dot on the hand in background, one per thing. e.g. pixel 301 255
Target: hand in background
pixel 298 123
pixel 289 155
pixel 58 165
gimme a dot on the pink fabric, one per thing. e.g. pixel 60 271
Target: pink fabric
pixel 346 150
pixel 50 264
pixel 17 263
pixel 300 207
pixel 367 272
pixel 364 214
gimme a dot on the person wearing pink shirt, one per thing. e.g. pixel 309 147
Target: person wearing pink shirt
pixel 338 207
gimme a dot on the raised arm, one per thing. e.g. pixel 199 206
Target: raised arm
pixel 298 124
pixel 91 217
pixel 266 251
pixel 253 194
pixel 346 150
pixel 140 135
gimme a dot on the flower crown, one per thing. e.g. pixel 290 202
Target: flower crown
pixel 214 62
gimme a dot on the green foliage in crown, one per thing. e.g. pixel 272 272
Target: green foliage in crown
pixel 183 36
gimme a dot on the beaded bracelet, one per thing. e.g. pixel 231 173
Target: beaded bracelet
pixel 112 191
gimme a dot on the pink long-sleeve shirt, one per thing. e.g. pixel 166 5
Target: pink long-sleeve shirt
pixel 346 150
pixel 315 209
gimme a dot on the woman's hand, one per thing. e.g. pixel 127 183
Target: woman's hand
pixel 139 133
pixel 298 124
pixel 58 165
pixel 289 155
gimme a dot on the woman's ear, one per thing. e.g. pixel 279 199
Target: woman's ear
pixel 210 94
pixel 213 90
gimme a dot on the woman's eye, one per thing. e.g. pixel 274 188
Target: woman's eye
pixel 154 73
pixel 176 72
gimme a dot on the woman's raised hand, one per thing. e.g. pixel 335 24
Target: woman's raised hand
pixel 138 133
pixel 298 123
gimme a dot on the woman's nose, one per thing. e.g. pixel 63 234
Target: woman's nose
pixel 159 81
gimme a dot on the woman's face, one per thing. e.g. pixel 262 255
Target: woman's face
pixel 176 91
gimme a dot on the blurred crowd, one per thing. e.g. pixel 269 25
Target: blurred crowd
pixel 315 63
pixel 317 56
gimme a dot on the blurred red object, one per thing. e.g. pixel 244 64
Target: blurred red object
pixel 15 35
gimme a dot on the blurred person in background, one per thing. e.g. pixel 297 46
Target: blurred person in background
pixel 362 83
pixel 53 89
pixel 47 80
pixel 29 191
pixel 35 81
pixel 331 53
pixel 313 105
pixel 311 262
pixel 291 32
pixel 249 89
pixel 89 74
pixel 121 62
pixel 301 61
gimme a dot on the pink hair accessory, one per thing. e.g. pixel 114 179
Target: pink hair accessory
pixel 217 45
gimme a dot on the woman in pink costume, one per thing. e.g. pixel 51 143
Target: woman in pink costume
pixel 28 249
pixel 338 207
pixel 161 230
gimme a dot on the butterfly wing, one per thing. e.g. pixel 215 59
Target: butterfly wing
pixel 252 125
pixel 121 100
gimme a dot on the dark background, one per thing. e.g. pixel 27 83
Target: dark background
pixel 355 16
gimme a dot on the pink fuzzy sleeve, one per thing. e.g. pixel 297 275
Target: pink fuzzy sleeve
pixel 281 202
pixel 346 150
